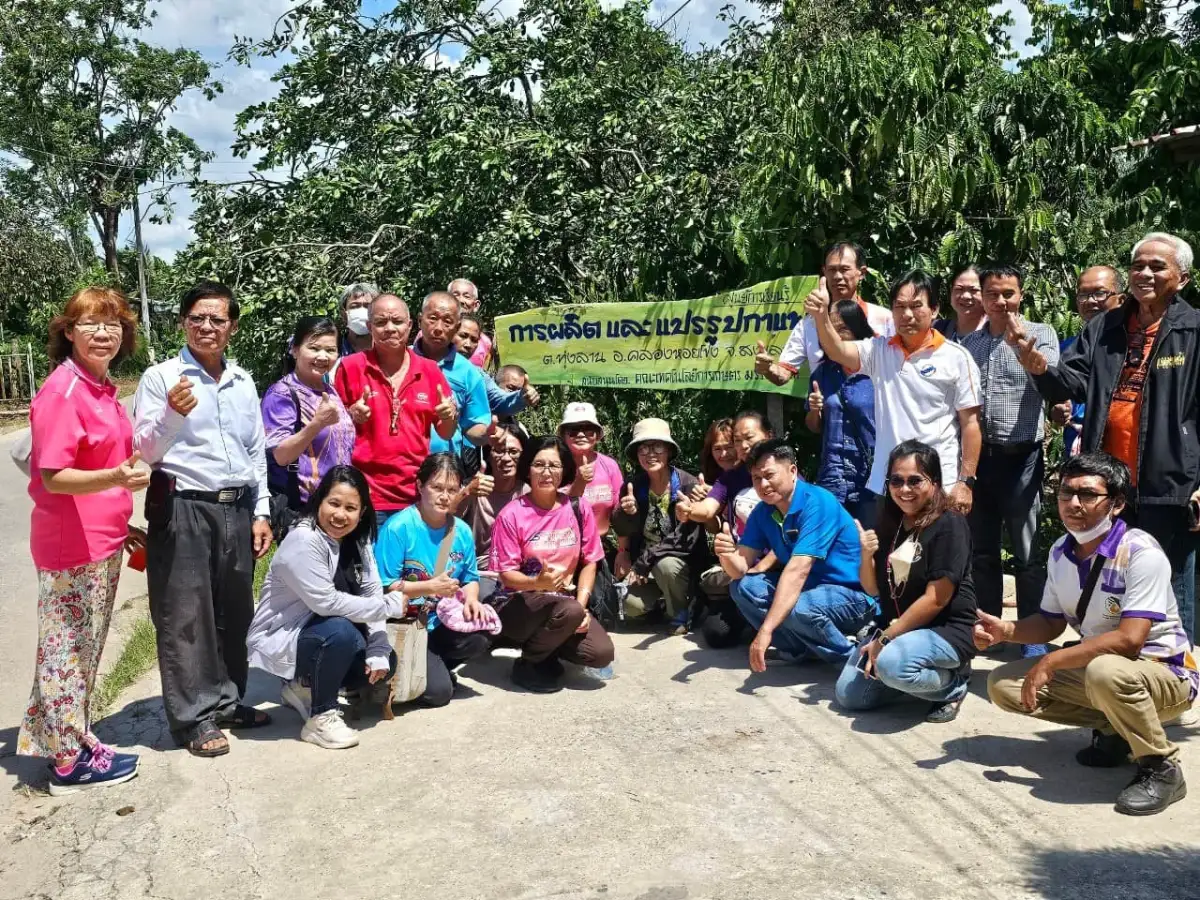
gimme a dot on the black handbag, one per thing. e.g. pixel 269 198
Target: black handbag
pixel 603 603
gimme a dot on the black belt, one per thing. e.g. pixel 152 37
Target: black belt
pixel 1011 449
pixel 225 495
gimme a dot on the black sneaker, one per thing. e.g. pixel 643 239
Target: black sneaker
pixel 551 666
pixel 534 677
pixel 1158 783
pixel 1107 751
pixel 946 711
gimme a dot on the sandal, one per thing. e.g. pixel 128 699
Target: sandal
pixel 206 733
pixel 244 717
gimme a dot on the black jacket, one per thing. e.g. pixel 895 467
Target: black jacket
pixel 1168 449
pixel 685 540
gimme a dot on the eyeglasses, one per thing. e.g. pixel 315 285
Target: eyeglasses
pixel 652 448
pixel 546 467
pixel 1085 497
pixel 912 481
pixel 1098 296
pixel 579 429
pixel 199 321
pixel 94 327
pixel 510 454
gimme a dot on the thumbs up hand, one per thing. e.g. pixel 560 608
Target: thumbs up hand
pixel 763 360
pixel 723 543
pixel 128 475
pixel 529 393
pixel 482 484
pixel 180 397
pixel 867 538
pixel 817 303
pixel 359 411
pixel 816 402
pixel 587 468
pixel 327 412
pixel 628 502
pixel 700 490
pixel 447 409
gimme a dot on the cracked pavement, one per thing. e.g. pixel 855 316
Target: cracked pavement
pixel 684 777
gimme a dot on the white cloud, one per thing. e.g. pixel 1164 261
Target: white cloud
pixel 1021 29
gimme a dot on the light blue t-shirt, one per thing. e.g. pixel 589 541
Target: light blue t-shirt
pixel 407 550
pixel 470 393
pixel 816 525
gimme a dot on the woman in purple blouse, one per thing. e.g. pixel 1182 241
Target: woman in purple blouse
pixel 308 429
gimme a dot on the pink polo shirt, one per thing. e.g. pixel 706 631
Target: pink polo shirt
pixel 77 423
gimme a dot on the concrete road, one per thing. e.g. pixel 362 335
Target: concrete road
pixel 684 777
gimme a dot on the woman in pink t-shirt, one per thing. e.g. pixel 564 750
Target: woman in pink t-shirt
pixel 599 477
pixel 82 473
pixel 545 547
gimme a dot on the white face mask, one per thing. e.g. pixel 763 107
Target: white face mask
pixel 356 320
pixel 1101 528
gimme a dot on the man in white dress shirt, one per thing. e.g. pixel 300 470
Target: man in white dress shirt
pixel 197 424
pixel 844 269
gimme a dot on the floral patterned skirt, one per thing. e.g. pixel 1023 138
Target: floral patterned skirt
pixel 74 609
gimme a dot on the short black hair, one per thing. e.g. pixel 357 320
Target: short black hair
pixel 763 422
pixel 209 290
pixel 1001 270
pixel 840 247
pixel 775 447
pixel 307 327
pixel 855 319
pixel 439 463
pixel 1115 473
pixel 471 317
pixel 536 445
pixel 921 282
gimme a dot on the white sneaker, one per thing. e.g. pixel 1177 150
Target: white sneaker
pixel 298 697
pixel 1187 718
pixel 329 731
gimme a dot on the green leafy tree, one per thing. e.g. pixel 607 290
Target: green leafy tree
pixel 84 102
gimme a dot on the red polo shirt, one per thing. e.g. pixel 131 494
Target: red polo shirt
pixel 391 445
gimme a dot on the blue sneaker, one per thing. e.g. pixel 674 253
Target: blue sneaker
pixel 94 768
pixel 602 674
pixel 1032 651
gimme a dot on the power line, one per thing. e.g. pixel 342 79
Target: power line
pixel 674 14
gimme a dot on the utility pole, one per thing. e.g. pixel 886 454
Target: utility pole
pixel 141 271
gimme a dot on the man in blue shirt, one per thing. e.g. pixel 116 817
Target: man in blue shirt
pixel 1098 290
pixel 810 598
pixel 439 325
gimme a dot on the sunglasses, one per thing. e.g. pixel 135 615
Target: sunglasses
pixel 912 481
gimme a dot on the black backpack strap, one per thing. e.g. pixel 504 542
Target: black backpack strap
pixel 1089 587
pixel 293 471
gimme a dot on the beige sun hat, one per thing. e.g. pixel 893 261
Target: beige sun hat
pixel 651 430
pixel 580 414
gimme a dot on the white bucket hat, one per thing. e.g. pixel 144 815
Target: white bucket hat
pixel 651 430
pixel 579 414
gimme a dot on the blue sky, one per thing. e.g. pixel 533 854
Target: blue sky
pixel 211 27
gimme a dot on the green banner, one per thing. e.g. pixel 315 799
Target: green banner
pixel 708 343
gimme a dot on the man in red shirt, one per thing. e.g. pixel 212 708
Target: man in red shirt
pixel 395 398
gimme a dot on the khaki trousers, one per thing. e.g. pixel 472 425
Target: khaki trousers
pixel 668 584
pixel 1131 697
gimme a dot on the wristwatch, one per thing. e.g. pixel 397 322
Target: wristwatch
pixel 969 481
pixel 884 640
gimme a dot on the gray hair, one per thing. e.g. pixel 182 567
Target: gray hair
pixel 1183 250
pixel 441 295
pixel 359 289
pixel 450 286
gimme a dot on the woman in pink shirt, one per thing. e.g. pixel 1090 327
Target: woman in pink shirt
pixel 82 475
pixel 545 547
pixel 599 477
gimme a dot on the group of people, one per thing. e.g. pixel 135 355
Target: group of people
pixel 394 474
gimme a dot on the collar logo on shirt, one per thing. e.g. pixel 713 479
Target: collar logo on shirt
pixel 927 371
pixel 422 397
pixel 1170 362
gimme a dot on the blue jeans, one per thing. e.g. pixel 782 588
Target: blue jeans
pixel 331 655
pixel 818 623
pixel 1169 526
pixel 919 663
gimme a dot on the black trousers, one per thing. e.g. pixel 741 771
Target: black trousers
pixel 200 575
pixel 447 651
